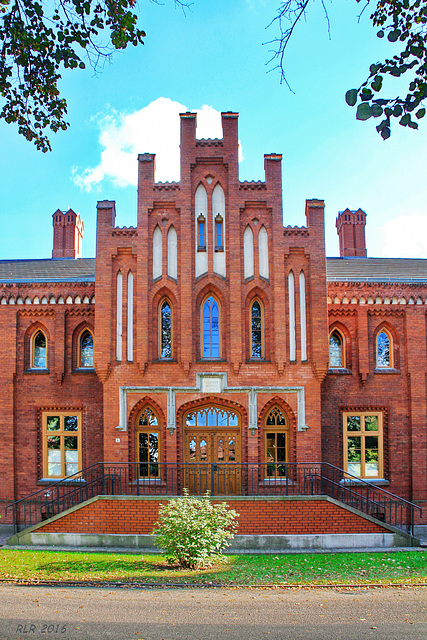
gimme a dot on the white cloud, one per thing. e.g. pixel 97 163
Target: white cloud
pixel 152 129
pixel 404 236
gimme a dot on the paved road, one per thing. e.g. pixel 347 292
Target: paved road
pixel 184 614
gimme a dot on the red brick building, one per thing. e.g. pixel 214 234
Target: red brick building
pixel 212 335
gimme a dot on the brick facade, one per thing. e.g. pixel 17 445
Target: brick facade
pixel 301 299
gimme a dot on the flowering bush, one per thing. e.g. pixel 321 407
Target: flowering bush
pixel 192 531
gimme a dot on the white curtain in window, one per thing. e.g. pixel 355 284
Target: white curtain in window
pixel 291 291
pixel 119 314
pixel 248 252
pixel 303 315
pixel 172 253
pixel 263 252
pixel 157 253
pixel 130 318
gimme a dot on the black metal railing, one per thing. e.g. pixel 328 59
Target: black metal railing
pixel 220 479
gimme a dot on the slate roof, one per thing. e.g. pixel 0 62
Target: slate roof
pixel 337 269
pixel 410 270
pixel 51 270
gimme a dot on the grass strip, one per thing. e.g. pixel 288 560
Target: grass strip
pixel 402 567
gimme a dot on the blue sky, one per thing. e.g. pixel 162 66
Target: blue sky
pixel 213 59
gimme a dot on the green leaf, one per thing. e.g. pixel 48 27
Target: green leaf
pixel 364 111
pixel 394 35
pixel 421 113
pixel 405 120
pixel 380 34
pixel 351 97
pixel 377 110
pixel 385 133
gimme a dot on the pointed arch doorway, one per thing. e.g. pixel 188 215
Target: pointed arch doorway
pixel 212 450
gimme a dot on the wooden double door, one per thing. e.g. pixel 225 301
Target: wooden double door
pixel 212 451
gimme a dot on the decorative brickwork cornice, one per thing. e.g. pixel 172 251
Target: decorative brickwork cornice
pixel 386 312
pixel 166 186
pixel 209 142
pixel 253 185
pixel 124 231
pixel 339 311
pixel 35 313
pixel 296 231
pixel 89 313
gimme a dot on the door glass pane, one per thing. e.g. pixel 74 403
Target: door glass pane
pixel 233 420
pixel 201 419
pixel 192 450
pixel 143 453
pixel 220 451
pixel 153 441
pixel 203 450
pixel 231 450
pixel 212 418
pixel 222 419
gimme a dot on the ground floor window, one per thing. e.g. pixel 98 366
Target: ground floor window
pixel 62 450
pixel 148 444
pixel 363 444
pixel 276 443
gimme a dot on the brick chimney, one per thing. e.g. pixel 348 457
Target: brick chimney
pixel 67 234
pixel 351 233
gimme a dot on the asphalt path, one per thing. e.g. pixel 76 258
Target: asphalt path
pixel 205 614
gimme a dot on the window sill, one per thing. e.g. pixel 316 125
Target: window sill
pixel 274 481
pixel 387 371
pixel 379 482
pixel 163 360
pixel 339 371
pixel 37 371
pixel 219 249
pixel 84 370
pixel 50 481
pixel 201 248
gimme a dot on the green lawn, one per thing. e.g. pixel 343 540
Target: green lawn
pixel 332 568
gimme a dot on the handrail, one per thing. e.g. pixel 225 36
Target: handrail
pixel 246 479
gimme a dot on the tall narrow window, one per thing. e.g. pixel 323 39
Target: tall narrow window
pixel 201 229
pixel 248 252
pixel 172 253
pixel 86 350
pixel 61 444
pixel 39 351
pixel 263 253
pixel 218 233
pixel 157 253
pixel 292 340
pixel 363 444
pixel 130 318
pixel 165 337
pixel 257 330
pixel 384 350
pixel 148 444
pixel 276 443
pixel 336 350
pixel 119 316
pixel 303 316
pixel 211 328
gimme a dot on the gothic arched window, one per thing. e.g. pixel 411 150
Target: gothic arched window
pixel 39 351
pixel 257 329
pixel 211 328
pixel 165 333
pixel 86 350
pixel 336 350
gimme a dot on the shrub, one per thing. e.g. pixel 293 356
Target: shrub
pixel 192 531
